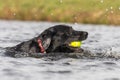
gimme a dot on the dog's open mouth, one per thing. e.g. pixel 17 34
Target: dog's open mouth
pixel 75 44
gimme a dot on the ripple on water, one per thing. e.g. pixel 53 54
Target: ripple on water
pixel 58 72
pixel 102 41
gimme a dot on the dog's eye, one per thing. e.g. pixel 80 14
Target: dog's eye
pixel 65 36
pixel 43 36
pixel 68 35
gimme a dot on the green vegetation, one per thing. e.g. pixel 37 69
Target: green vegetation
pixel 79 11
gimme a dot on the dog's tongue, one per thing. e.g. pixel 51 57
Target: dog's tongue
pixel 41 46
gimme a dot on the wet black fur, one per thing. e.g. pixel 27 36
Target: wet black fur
pixel 55 41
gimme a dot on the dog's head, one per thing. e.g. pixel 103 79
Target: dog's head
pixel 58 38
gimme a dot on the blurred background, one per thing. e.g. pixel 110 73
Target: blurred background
pixel 72 11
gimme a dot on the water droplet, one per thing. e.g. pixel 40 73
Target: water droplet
pixel 112 12
pixel 106 9
pixel 101 1
pixel 76 23
pixel 111 7
pixel 119 8
pixel 14 14
pixel 61 1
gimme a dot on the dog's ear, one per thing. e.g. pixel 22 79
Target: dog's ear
pixel 46 37
pixel 46 43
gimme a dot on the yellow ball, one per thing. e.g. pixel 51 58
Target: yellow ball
pixel 75 44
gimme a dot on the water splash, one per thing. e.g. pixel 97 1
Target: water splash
pixel 110 9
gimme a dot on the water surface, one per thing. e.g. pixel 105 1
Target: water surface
pixel 103 41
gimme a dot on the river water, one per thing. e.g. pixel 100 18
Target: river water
pixel 103 41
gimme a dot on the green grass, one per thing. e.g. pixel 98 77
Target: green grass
pixel 80 11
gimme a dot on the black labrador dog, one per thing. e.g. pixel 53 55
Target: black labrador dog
pixel 53 41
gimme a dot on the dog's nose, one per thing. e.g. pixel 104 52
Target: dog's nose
pixel 85 33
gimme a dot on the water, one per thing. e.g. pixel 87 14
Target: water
pixel 103 41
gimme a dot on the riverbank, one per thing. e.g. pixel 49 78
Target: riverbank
pixel 75 11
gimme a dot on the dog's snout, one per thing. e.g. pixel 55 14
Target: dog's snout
pixel 85 33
